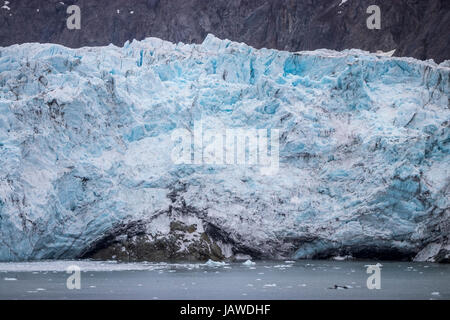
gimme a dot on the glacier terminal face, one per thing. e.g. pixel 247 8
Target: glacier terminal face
pixel 86 167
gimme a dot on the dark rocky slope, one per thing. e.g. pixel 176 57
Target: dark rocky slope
pixel 416 28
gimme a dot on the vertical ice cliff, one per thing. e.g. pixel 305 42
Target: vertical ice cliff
pixel 86 167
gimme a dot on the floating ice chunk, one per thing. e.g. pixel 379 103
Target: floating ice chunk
pixel 241 256
pixel 248 263
pixel 270 285
pixel 283 266
pixel 343 258
pixel 211 263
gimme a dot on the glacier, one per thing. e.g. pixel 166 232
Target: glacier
pixel 86 167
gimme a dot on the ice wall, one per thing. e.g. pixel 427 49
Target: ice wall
pixel 85 149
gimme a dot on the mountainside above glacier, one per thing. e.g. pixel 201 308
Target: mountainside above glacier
pixel 413 28
pixel 86 166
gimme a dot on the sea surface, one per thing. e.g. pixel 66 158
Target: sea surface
pixel 283 280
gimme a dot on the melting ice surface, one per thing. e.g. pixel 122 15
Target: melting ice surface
pixel 305 279
pixel 85 147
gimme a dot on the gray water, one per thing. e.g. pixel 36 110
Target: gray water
pixel 264 280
